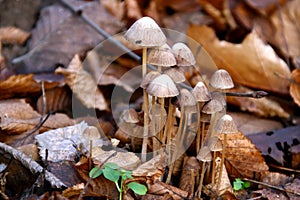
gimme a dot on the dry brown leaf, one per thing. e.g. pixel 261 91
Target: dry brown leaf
pixel 295 86
pixel 13 35
pixel 251 63
pixel 263 107
pixel 83 85
pixel 133 11
pixel 22 85
pixel 287 36
pixel 161 188
pixel 243 157
pixel 114 7
pixel 177 5
pixel 57 99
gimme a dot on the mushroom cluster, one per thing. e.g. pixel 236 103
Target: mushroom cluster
pixel 168 107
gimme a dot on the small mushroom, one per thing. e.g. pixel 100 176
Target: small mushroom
pixel 145 33
pixel 201 95
pixel 215 145
pixel 161 57
pixel 225 125
pixel 148 78
pixel 204 156
pixel 183 55
pixel 176 75
pixel 221 79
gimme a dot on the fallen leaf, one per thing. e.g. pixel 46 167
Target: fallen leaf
pixel 83 85
pixel 132 10
pixel 114 7
pixel 246 61
pixel 287 36
pixel 13 35
pixel 160 188
pixel 295 86
pixel 263 107
pixel 51 44
pixel 294 187
pixel 243 157
pixel 22 85
pixel 277 143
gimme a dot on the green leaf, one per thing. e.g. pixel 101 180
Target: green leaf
pixel 111 174
pixel 137 188
pixel 111 165
pixel 237 185
pixel 246 184
pixel 95 172
pixel 126 174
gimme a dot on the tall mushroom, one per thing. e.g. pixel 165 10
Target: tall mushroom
pixel 225 125
pixel 183 55
pixel 215 145
pixel 201 95
pixel 145 33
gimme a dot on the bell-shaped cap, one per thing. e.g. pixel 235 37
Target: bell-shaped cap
pixel 201 92
pixel 211 107
pixel 221 79
pixel 130 116
pixel 145 33
pixel 215 144
pixel 161 56
pixel 186 98
pixel 176 75
pixel 163 87
pixel 226 125
pixel 148 78
pixel 204 154
pixel 219 96
pixel 183 55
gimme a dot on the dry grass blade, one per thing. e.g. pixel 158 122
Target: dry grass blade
pixel 243 157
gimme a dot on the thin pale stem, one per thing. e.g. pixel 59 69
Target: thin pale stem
pixel 198 137
pixel 201 180
pixel 213 174
pixel 153 128
pixel 222 160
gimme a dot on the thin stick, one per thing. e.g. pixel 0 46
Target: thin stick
pixel 255 94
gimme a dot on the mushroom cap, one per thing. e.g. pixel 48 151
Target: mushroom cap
pixel 204 154
pixel 146 33
pixel 221 79
pixel 162 86
pixel 130 116
pixel 215 144
pixel 148 78
pixel 201 92
pixel 161 56
pixel 175 74
pixel 212 107
pixel 226 125
pixel 186 98
pixel 219 96
pixel 183 54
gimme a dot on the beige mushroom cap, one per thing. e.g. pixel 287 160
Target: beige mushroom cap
pixel 186 98
pixel 201 92
pixel 204 154
pixel 215 144
pixel 162 86
pixel 212 107
pixel 161 56
pixel 226 125
pixel 175 74
pixel 183 54
pixel 148 78
pixel 221 79
pixel 130 116
pixel 146 33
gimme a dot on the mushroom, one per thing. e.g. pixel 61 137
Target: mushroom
pixel 215 145
pixel 201 95
pixel 225 125
pixel 204 156
pixel 161 57
pixel 145 33
pixel 183 55
pixel 221 79
pixel 176 75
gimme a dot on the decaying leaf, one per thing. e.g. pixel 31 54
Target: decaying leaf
pixel 51 43
pixel 295 86
pixel 114 7
pixel 22 85
pixel 287 36
pixel 263 107
pixel 83 85
pixel 243 157
pixel 251 63
pixel 160 188
pixel 13 35
pixel 277 144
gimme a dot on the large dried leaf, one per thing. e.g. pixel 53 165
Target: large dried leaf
pixel 243 157
pixel 295 86
pixel 13 35
pixel 252 63
pixel 59 35
pixel 263 107
pixel 83 85
pixel 287 36
pixel 22 85
pixel 16 108
pixel 277 144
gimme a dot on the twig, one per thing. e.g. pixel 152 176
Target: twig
pixel 255 94
pixel 271 186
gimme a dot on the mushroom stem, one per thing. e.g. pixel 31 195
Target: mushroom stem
pixel 222 160
pixel 202 133
pixel 159 69
pixel 198 138
pixel 255 94
pixel 145 108
pixel 162 107
pixel 153 128
pixel 201 181
pixel 167 130
pixel 213 173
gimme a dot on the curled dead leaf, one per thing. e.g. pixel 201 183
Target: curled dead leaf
pixel 251 63
pixel 295 86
